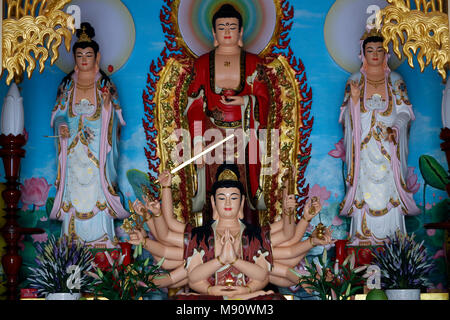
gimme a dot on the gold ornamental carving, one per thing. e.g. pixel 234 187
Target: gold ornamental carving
pixel 422 31
pixel 33 30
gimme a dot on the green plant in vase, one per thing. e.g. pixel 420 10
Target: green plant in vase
pixel 61 268
pixel 404 264
pixel 126 282
pixel 331 282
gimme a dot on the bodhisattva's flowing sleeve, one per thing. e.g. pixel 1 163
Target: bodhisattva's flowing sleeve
pixel 59 119
pixel 112 160
pixel 195 109
pixel 404 115
pixel 260 94
pixel 345 118
pixel 59 112
pixel 109 150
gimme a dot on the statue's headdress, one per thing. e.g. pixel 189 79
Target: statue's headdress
pixel 84 37
pixel 374 32
pixel 227 174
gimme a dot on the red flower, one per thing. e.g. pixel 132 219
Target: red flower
pixel 115 254
pixel 34 192
pixel 126 250
pixel 110 68
pixel 364 256
pixel 101 261
pixel 339 152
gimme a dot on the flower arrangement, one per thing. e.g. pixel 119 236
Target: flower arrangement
pixel 61 266
pixel 404 264
pixel 331 282
pixel 125 282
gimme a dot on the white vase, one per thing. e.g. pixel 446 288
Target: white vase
pixel 12 112
pixel 403 294
pixel 63 296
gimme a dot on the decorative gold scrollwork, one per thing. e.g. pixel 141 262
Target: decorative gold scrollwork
pixel 32 29
pixel 423 31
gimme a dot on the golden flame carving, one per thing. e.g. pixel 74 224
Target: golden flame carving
pixel 31 29
pixel 423 31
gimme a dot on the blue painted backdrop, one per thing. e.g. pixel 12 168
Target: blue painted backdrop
pixel 326 79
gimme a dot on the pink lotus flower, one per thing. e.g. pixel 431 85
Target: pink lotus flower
pixel 411 180
pixel 431 232
pixel 43 237
pixel 339 152
pixel 438 254
pixel 34 192
pixel 321 192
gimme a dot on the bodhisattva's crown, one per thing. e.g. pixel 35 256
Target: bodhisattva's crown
pixel 374 32
pixel 228 174
pixel 84 36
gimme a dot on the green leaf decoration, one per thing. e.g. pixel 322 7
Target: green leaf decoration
pixel 295 272
pixel 49 205
pixel 29 253
pixel 438 238
pixel 412 223
pixel 440 212
pixel 433 173
pixel 160 263
pixel 28 219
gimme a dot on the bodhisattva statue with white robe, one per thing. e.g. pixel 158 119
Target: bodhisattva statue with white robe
pixel 87 119
pixel 376 115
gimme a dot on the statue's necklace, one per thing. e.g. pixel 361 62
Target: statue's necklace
pixel 375 83
pixel 85 87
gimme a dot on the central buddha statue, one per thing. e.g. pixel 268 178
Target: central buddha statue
pixel 228 94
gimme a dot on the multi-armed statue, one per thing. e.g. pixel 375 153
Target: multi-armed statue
pixel 227 256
